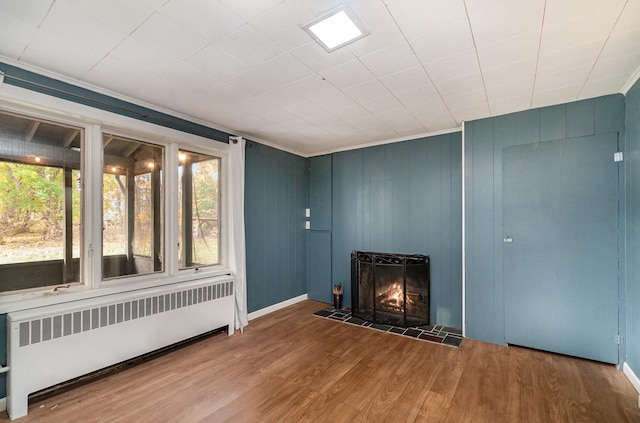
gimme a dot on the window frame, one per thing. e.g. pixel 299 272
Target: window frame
pixel 94 122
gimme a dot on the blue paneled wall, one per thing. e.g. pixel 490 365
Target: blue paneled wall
pixel 484 141
pixel 276 195
pixel 403 198
pixel 633 226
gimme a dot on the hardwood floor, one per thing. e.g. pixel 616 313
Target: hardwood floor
pixel 290 366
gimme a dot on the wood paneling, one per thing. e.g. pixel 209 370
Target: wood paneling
pixel 403 198
pixel 632 163
pixel 290 366
pixel 276 195
pixel 484 141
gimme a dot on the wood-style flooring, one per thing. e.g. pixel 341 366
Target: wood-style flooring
pixel 290 366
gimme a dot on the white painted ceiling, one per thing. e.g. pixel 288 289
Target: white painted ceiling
pixel 248 67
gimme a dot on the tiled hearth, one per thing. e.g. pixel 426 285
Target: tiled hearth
pixel 430 333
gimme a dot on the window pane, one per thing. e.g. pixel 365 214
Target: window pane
pixel 132 238
pixel 40 204
pixel 198 213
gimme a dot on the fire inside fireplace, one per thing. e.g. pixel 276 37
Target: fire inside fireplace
pixel 390 288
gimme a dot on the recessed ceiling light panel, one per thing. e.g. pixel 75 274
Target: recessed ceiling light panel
pixel 336 28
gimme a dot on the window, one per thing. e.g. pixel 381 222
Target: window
pixel 198 210
pixel 85 207
pixel 40 203
pixel 132 235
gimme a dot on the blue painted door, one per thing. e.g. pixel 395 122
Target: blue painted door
pixel 560 222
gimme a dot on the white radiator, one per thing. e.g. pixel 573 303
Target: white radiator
pixel 53 344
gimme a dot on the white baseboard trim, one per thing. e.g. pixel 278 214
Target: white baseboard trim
pixel 3 404
pixel 276 307
pixel 628 371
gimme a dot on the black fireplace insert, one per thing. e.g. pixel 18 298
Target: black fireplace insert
pixel 389 288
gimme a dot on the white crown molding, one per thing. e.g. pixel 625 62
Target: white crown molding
pixel 631 82
pixel 389 141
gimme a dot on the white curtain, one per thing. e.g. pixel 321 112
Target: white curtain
pixel 237 250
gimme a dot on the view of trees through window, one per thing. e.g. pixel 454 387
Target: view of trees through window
pixel 198 209
pixel 41 205
pixel 132 235
pixel 40 202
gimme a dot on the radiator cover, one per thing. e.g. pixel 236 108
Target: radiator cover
pixel 53 344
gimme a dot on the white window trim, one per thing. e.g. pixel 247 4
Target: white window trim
pixel 95 122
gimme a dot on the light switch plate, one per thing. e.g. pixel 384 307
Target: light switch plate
pixel 307 225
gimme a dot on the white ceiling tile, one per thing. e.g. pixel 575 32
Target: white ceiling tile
pixel 365 121
pixel 283 24
pixel 510 105
pixel 563 78
pixel 437 122
pixel 218 62
pixel 417 17
pixel 582 55
pixel 15 34
pixel 516 49
pixel 262 68
pixel 123 16
pixel 514 19
pixel 622 66
pixel 304 108
pixel 250 46
pixel 309 87
pixel 543 98
pixel 147 56
pixel 390 60
pixel 331 99
pixel 558 11
pixel 276 114
pixel 115 75
pixel 285 68
pixel 352 111
pixel 460 86
pixel 451 39
pixel 383 33
pixel 453 67
pixel 195 79
pixel 569 34
pixel 31 12
pixel 63 55
pixel 418 95
pixel 471 112
pixel 486 6
pixel 68 22
pixel 380 132
pixel 382 104
pixel 598 87
pixel 459 101
pixel 348 74
pixel 629 18
pixel 250 9
pixel 510 72
pixel 367 91
pixel 171 38
pixel 317 58
pixel 521 88
pixel 622 44
pixel 359 7
pixel 253 81
pixel 282 96
pixel 406 79
pixel 206 18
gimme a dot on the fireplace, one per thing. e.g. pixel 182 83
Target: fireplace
pixel 391 289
